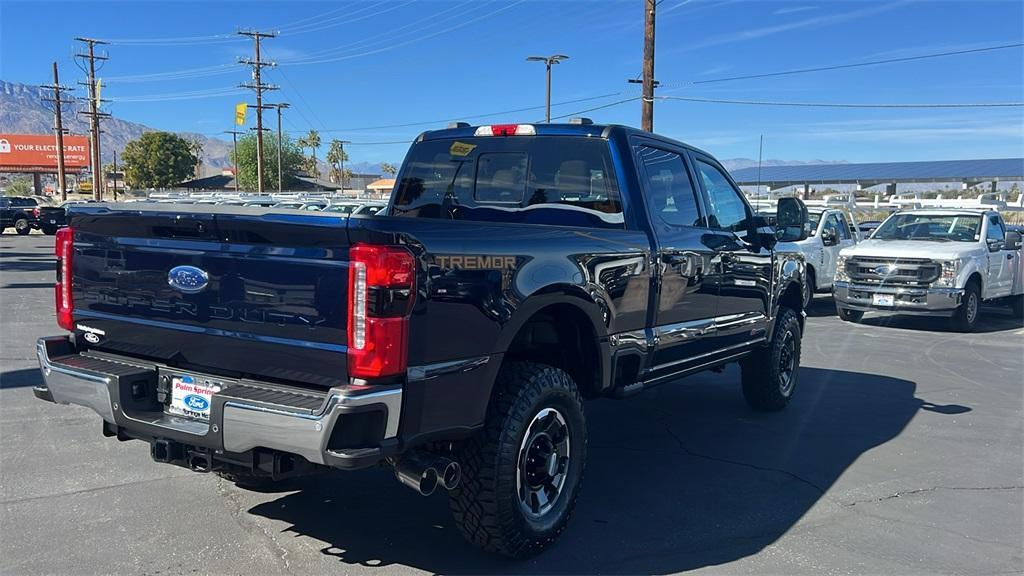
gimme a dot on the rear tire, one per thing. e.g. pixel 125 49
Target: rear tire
pixel 22 227
pixel 1017 305
pixel 521 474
pixel 966 316
pixel 770 374
pixel 847 315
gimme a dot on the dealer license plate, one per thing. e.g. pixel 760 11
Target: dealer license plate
pixel 192 396
pixel 883 299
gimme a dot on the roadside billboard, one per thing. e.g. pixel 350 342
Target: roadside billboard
pixel 38 153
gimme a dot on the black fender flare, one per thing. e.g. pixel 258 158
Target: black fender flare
pixel 562 295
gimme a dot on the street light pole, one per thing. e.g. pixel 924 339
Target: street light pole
pixel 548 61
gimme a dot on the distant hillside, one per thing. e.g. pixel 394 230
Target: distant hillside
pixel 22 111
pixel 740 163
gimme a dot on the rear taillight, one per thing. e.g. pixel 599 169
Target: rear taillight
pixel 381 287
pixel 506 130
pixel 64 248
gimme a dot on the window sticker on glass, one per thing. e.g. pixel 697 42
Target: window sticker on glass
pixel 461 148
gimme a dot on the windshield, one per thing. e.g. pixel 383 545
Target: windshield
pixel 933 227
pixel 343 208
pixel 812 222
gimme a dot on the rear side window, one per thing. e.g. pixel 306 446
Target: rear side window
pixel 564 181
pixel 727 209
pixel 670 193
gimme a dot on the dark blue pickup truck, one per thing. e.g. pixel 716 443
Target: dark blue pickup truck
pixel 518 270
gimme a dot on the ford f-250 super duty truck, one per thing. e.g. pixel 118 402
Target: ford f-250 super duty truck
pixel 932 263
pixel 518 270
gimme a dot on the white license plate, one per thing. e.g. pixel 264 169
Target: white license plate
pixel 53 221
pixel 883 299
pixel 191 397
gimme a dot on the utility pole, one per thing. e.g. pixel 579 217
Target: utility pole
pixel 548 61
pixel 234 153
pixel 280 106
pixel 258 86
pixel 115 175
pixel 58 127
pixel 94 114
pixel 341 144
pixel 647 105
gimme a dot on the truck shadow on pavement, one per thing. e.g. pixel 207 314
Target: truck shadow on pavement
pixel 680 477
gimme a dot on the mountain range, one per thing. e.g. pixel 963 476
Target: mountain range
pixel 22 111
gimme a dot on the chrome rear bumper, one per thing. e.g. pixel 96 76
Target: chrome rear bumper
pixel 245 415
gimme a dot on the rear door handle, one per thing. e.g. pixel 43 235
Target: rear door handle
pixel 1009 256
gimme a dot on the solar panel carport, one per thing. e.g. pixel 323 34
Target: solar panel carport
pixel 969 172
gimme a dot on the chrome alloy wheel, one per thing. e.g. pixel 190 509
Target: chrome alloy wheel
pixel 787 363
pixel 543 463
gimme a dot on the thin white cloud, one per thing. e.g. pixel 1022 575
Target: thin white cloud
pixel 814 22
pixel 794 10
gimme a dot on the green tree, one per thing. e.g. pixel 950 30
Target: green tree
pixel 388 169
pixel 157 160
pixel 20 187
pixel 196 145
pixel 336 156
pixel 291 160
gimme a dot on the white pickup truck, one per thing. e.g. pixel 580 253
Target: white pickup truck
pixel 934 262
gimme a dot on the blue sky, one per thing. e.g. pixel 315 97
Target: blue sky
pixel 349 68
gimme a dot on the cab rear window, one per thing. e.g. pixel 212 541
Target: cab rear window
pixel 565 181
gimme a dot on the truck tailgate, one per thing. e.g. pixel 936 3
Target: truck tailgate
pixel 272 304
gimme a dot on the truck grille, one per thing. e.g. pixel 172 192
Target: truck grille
pixel 893 271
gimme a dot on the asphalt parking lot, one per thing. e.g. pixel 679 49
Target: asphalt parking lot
pixel 901 454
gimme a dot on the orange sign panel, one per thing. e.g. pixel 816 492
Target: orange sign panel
pixel 38 153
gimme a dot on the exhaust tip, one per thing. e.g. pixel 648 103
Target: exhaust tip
pixel 450 475
pixel 421 479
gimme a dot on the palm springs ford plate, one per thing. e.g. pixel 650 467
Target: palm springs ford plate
pixel 191 398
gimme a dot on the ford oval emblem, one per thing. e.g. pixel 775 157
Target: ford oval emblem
pixel 196 402
pixel 886 269
pixel 188 279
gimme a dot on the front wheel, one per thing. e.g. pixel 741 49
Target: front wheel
pixel 808 289
pixel 966 315
pixel 521 474
pixel 22 227
pixel 770 374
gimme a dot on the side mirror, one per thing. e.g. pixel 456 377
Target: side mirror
pixel 791 216
pixel 1013 241
pixel 828 237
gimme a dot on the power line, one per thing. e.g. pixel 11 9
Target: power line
pixel 470 117
pixel 872 63
pixel 843 105
pixel 407 42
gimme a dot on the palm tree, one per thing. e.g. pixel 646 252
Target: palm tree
pixel 336 156
pixel 196 146
pixel 312 140
pixel 388 169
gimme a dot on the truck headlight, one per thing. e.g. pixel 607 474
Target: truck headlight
pixel 950 269
pixel 841 274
